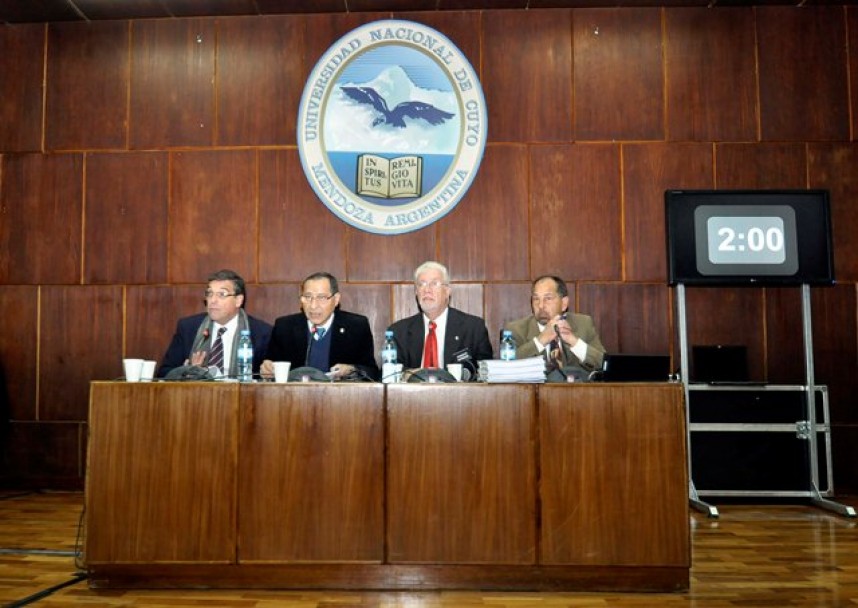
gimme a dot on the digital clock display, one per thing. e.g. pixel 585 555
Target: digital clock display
pixel 747 239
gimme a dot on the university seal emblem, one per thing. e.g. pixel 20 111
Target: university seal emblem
pixel 392 127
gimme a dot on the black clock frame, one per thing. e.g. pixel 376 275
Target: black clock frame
pixel 814 251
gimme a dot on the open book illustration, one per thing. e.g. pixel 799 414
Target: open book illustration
pixel 400 177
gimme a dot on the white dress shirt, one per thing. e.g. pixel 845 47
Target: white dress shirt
pixel 440 333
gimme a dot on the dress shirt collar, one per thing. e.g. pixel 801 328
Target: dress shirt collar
pixel 327 324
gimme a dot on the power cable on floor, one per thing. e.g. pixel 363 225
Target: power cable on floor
pixel 78 577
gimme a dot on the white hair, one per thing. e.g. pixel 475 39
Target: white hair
pixel 430 265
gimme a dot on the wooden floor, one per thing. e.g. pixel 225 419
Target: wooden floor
pixel 751 556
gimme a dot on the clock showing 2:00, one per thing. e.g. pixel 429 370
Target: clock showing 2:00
pixel 745 239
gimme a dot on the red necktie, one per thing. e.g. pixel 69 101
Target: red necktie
pixel 430 353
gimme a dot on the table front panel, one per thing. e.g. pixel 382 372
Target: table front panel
pixel 162 472
pixel 311 474
pixel 614 481
pixel 461 474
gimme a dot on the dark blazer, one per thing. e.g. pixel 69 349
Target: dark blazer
pixel 463 331
pixel 186 330
pixel 351 342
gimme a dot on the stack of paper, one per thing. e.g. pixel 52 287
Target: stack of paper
pixel 531 369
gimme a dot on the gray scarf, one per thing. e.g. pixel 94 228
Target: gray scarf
pixel 203 341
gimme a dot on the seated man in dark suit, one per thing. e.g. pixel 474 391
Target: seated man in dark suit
pixel 439 334
pixel 323 336
pixel 536 334
pixel 210 339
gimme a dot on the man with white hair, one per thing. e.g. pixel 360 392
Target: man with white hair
pixel 439 334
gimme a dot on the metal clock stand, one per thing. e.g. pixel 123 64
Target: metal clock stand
pixel 807 429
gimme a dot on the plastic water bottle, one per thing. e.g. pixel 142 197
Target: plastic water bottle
pixel 245 357
pixel 507 346
pixel 388 358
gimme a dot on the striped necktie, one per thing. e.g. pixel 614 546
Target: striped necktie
pixel 216 355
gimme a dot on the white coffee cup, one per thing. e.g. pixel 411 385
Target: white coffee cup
pixel 147 372
pixel 281 371
pixel 456 370
pixel 133 368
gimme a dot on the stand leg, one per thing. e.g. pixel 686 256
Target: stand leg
pixel 693 497
pixel 703 507
pixel 810 401
pixel 830 505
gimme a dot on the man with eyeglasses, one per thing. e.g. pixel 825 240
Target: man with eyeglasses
pixel 323 336
pixel 210 339
pixel 538 333
pixel 439 334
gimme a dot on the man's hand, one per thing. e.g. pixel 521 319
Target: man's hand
pixel 341 370
pixel 266 370
pixel 197 358
pixel 566 332
pixel 562 325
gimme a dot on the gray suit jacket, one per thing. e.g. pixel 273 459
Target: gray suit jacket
pixel 526 329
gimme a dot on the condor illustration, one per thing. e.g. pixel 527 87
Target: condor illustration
pixel 410 109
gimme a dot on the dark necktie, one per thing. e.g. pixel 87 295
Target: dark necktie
pixel 320 333
pixel 430 353
pixel 216 356
pixel 551 356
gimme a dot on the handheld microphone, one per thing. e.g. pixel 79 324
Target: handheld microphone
pixel 557 371
pixel 560 341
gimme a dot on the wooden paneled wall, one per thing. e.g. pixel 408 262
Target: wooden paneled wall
pixel 138 156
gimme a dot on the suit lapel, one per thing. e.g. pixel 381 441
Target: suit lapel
pixel 453 337
pixel 415 338
pixel 532 328
pixel 338 330
pixel 301 338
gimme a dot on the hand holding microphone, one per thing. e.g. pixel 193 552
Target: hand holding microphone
pixel 560 355
pixel 563 331
pixel 560 317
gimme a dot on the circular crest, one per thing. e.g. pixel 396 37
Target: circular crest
pixel 392 127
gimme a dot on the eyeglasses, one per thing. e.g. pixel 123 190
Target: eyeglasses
pixel 548 299
pixel 309 298
pixel 429 284
pixel 220 295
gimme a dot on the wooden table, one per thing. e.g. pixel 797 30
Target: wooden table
pixel 367 486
